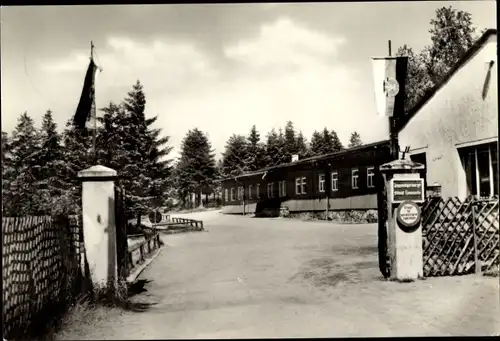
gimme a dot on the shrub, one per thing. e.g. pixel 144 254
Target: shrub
pixel 371 216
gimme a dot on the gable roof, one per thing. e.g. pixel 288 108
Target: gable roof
pixel 312 159
pixel 471 52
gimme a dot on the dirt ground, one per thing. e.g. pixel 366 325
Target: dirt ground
pixel 257 277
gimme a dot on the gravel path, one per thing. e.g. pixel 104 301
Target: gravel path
pixel 252 278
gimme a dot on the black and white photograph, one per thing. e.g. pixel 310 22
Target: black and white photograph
pixel 250 170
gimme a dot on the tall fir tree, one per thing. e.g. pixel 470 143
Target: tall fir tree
pixel 23 198
pixel 302 148
pixel 274 148
pixel 336 144
pixel 50 182
pixel 355 140
pixel 235 156
pixel 290 146
pixel 197 167
pixel 255 151
pixel 7 172
pixel 317 144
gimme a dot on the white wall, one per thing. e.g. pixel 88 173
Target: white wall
pixel 454 116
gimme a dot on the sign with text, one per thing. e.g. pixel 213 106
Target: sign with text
pixel 407 190
pixel 408 216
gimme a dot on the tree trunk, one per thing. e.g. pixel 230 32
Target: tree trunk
pixel 200 203
pixel 138 219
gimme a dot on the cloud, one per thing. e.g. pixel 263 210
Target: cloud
pixel 285 44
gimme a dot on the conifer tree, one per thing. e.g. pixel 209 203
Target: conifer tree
pixel 355 140
pixel 23 198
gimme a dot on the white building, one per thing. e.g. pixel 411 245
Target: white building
pixel 454 129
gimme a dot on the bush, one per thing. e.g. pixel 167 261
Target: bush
pixel 371 216
pixel 341 217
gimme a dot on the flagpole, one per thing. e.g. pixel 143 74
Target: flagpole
pixel 94 151
pixel 392 135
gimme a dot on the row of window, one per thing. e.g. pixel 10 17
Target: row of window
pixel 301 185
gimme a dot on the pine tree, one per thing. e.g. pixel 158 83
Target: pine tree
pixel 23 198
pixel 317 144
pixel 235 156
pixel 302 149
pixel 255 151
pixel 50 182
pixel 275 148
pixel 7 172
pixel 336 144
pixel 76 157
pixel 196 167
pixel 355 140
pixel 290 146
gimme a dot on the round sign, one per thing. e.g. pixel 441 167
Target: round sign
pixel 391 87
pixel 408 216
pixel 154 217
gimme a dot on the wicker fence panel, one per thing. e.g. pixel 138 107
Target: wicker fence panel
pixel 40 265
pixel 459 237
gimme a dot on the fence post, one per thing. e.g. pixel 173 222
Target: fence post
pixel 477 266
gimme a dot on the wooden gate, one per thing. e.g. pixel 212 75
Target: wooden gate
pixel 121 233
pixel 460 237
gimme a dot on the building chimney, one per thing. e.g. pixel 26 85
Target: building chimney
pixel 295 158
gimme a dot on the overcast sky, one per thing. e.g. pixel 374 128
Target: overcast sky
pixel 220 68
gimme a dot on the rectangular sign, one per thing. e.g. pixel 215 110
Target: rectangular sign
pixel 407 189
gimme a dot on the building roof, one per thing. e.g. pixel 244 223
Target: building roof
pixel 312 159
pixel 471 52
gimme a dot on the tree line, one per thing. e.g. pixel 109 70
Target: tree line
pixel 40 166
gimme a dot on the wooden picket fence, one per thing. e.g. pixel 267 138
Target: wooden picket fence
pixel 460 237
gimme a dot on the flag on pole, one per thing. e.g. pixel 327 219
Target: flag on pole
pixel 86 107
pixel 389 75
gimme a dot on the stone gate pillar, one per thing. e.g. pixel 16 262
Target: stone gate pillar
pixel 405 193
pixel 99 225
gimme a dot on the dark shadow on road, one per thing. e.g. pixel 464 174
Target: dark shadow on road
pixel 137 302
pixel 137 287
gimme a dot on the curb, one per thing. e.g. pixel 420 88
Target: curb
pixel 137 271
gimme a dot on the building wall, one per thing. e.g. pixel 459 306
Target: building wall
pixel 455 116
pixel 313 200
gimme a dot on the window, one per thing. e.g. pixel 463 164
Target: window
pixel 304 185
pixel 270 190
pixel 232 194
pixel 300 186
pixel 226 194
pixel 321 182
pixel 257 191
pixel 335 181
pixel 297 186
pixel 249 192
pixel 370 175
pixel 240 193
pixel 282 188
pixel 354 178
pixel 481 169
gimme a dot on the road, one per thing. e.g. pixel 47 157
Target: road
pixel 258 277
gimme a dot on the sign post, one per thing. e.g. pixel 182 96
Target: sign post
pixel 405 193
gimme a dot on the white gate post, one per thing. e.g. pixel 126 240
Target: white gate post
pixel 99 225
pixel 405 193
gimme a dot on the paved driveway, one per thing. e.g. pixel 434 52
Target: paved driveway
pixel 256 277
